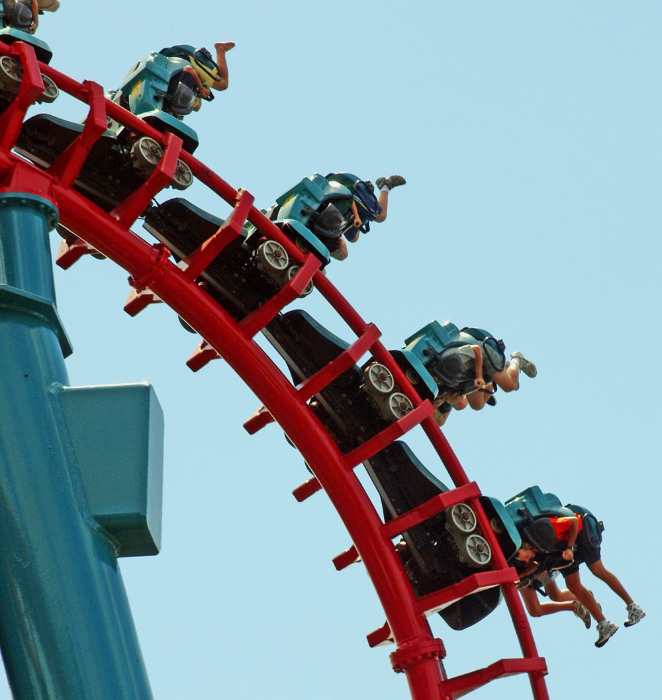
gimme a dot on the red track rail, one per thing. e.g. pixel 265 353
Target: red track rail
pixel 418 652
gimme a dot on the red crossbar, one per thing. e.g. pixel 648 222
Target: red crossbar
pixel 198 261
pixel 461 685
pixel 426 510
pixel 476 582
pixel 313 385
pixel 388 436
pixel 133 206
pixel 68 166
pixel 256 321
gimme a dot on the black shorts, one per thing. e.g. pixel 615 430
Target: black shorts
pixel 585 553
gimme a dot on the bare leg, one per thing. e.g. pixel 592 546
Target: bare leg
pixel 537 609
pixel 508 378
pixel 477 399
pixel 341 252
pixel 558 595
pixel 221 48
pixel 584 596
pixel 598 569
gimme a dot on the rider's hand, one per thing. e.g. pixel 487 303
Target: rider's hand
pixel 205 92
pixel 568 554
pixel 479 382
pixel 357 222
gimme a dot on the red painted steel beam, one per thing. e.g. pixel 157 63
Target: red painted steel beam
pixel 426 510
pixel 294 416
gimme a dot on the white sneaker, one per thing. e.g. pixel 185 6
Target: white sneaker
pixel 525 365
pixel 606 630
pixel 635 613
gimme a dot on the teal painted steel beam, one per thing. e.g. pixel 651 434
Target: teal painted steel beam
pixel 66 629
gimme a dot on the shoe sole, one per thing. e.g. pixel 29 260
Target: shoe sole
pixel 602 642
pixel 627 623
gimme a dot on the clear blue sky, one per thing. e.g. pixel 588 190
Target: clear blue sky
pixel 529 136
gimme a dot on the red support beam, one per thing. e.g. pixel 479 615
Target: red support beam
pixel 31 88
pixel 426 510
pixel 68 166
pixel 461 685
pixel 256 321
pixel 198 261
pixel 429 604
pixel 388 436
pixel 133 206
pixel 313 385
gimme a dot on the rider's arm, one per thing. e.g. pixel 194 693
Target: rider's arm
pixel 203 90
pixel 478 381
pixel 35 17
pixel 572 537
pixel 357 218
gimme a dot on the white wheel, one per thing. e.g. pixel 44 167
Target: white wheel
pixel 51 92
pixel 463 518
pixel 292 271
pixel 183 176
pixel 146 153
pixel 477 550
pixel 272 257
pixel 378 380
pixel 11 73
pixel 399 405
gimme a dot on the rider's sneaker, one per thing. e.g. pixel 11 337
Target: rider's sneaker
pixel 390 182
pixel 583 614
pixel 525 365
pixel 606 630
pixel 635 613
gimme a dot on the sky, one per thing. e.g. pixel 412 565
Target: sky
pixel 528 134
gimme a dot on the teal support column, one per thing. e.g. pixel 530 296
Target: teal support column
pixel 66 630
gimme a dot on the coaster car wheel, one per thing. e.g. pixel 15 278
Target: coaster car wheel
pixel 146 153
pixel 477 550
pixel 292 271
pixel 398 406
pixel 272 258
pixel 50 93
pixel 378 380
pixel 183 176
pixel 11 73
pixel 463 518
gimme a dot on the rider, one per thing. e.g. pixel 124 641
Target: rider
pixel 575 540
pixel 21 14
pixel 203 75
pixel 363 208
pixel 469 373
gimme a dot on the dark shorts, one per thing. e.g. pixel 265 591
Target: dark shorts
pixel 585 553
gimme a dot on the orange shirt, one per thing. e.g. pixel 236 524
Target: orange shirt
pixel 562 527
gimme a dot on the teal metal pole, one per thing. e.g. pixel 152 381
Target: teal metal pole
pixel 66 630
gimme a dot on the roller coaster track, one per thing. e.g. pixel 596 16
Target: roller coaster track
pixel 154 277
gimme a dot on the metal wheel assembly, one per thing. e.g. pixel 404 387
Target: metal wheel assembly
pixel 272 257
pixel 399 405
pixel 378 380
pixel 477 550
pixel 463 518
pixel 146 153
pixel 292 272
pixel 50 93
pixel 11 73
pixel 183 176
